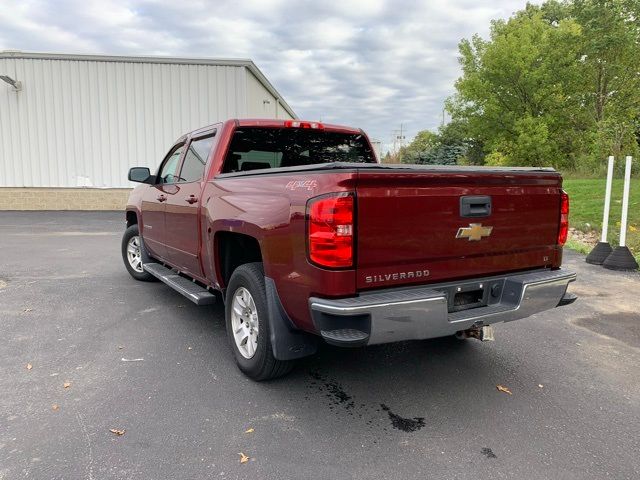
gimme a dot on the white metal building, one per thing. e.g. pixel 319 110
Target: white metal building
pixel 83 120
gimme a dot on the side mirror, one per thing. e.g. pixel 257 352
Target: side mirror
pixel 140 175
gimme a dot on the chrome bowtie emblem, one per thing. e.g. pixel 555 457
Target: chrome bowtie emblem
pixel 474 232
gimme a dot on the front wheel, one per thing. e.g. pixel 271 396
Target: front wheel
pixel 248 324
pixel 134 254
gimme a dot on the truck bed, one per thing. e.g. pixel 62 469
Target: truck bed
pixel 408 218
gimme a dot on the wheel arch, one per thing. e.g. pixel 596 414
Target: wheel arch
pixel 131 217
pixel 232 249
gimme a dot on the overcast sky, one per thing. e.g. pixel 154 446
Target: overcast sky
pixel 367 63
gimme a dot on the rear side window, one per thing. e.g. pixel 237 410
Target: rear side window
pixel 195 159
pixel 254 148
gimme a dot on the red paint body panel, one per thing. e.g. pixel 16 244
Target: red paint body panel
pixel 182 227
pixel 153 230
pixel 405 220
pixel 261 206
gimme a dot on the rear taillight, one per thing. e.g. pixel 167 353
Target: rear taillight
pixel 330 230
pixel 563 231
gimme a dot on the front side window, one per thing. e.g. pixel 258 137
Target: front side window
pixel 254 148
pixel 170 166
pixel 195 159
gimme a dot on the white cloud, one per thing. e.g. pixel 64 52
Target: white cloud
pixel 366 63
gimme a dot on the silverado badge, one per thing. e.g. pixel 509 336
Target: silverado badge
pixel 475 231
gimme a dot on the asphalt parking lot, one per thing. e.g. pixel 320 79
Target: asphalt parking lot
pixel 139 357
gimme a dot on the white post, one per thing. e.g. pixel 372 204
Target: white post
pixel 607 200
pixel 625 201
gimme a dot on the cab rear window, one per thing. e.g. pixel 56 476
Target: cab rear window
pixel 255 148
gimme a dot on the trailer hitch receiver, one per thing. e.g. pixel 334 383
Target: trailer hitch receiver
pixel 484 333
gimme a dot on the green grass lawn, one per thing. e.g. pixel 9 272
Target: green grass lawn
pixel 587 202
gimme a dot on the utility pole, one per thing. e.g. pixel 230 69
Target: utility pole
pixel 393 140
pixel 399 137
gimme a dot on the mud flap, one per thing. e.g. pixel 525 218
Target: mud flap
pixel 288 342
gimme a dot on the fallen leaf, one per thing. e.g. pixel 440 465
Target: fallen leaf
pixel 117 431
pixel 29 366
pixel 54 407
pixel 66 384
pixel 251 430
pixel 541 385
pixel 243 458
pixel 504 389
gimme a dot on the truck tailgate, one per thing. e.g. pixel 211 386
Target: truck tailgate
pixel 408 224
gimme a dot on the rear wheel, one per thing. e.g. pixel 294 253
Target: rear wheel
pixel 248 324
pixel 134 254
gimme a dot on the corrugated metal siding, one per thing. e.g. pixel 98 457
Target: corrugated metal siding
pixel 261 103
pixel 85 123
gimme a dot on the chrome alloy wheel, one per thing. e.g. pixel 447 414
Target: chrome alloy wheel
pixel 244 322
pixel 134 253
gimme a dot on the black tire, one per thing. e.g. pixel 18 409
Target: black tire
pixel 262 365
pixel 143 276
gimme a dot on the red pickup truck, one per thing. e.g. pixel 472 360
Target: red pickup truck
pixel 307 238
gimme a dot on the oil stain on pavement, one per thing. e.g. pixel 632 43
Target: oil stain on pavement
pixel 337 396
pixel 487 452
pixel 404 424
pixel 333 390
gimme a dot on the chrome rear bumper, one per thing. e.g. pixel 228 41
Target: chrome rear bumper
pixel 425 312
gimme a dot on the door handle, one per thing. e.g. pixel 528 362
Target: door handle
pixel 162 198
pixel 191 199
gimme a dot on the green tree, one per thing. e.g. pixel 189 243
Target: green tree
pixel 556 84
pixel 610 57
pixel 515 88
pixel 434 149
pixel 423 142
pixel 456 140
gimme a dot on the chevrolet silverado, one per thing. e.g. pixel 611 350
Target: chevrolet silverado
pixel 306 238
